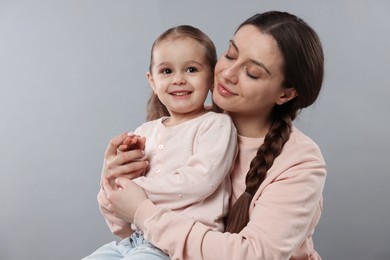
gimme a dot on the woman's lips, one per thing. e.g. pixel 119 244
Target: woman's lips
pixel 224 91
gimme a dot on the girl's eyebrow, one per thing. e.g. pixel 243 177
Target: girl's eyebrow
pixel 258 63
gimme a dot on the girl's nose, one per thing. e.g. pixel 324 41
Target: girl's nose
pixel 178 79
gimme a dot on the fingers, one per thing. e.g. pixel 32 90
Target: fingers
pixel 107 188
pixel 131 162
pixel 121 148
pixel 129 138
pixel 132 142
pixel 132 169
pixel 123 182
pixel 104 204
pixel 114 144
pixel 134 174
pixel 141 143
pixel 129 156
pixel 101 198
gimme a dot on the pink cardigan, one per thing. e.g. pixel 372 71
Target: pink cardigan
pixel 283 214
pixel 190 165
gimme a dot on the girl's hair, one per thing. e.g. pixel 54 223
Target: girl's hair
pixel 155 108
pixel 303 69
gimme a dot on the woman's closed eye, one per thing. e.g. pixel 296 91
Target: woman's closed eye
pixel 251 74
pixel 229 57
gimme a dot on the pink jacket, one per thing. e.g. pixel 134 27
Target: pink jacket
pixel 283 214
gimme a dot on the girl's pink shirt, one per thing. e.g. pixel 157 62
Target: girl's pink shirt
pixel 283 213
pixel 189 166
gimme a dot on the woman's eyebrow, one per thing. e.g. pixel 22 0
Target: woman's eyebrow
pixel 261 65
pixel 258 63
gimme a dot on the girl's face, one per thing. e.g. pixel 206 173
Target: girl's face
pixel 248 76
pixel 180 76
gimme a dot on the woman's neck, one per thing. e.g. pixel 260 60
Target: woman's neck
pixel 250 126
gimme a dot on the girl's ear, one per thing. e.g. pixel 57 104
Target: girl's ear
pixel 151 81
pixel 286 95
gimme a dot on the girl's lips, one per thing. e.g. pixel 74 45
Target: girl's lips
pixel 223 91
pixel 180 93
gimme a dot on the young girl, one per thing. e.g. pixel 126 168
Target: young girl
pixel 191 151
pixel 273 68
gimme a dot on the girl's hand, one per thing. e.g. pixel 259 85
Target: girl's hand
pixel 132 142
pixel 123 202
pixel 129 163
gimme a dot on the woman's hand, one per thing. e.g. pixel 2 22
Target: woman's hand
pixel 123 202
pixel 116 225
pixel 128 163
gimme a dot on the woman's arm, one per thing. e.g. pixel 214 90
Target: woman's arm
pixel 116 225
pixel 283 215
pixel 114 165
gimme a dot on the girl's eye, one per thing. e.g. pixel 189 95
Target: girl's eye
pixel 192 69
pixel 166 71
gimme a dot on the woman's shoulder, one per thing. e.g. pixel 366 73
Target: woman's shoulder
pixel 302 146
pixel 301 157
pixel 297 137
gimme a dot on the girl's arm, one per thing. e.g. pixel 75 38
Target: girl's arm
pixel 200 175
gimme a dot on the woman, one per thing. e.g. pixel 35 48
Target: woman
pixel 272 69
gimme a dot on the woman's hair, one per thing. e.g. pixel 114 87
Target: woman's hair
pixel 155 108
pixel 303 69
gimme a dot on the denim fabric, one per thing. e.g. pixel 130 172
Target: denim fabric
pixel 134 247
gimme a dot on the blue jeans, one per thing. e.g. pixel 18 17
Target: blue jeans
pixel 134 247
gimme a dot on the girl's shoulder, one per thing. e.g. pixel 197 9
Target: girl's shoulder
pixel 210 115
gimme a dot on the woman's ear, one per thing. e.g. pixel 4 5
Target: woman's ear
pixel 286 95
pixel 149 77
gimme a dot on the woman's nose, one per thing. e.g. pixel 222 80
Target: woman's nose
pixel 230 73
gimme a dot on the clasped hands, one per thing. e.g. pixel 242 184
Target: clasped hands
pixel 124 159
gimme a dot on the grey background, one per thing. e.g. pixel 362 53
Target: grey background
pixel 72 75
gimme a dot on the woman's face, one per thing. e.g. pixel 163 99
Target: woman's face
pixel 248 76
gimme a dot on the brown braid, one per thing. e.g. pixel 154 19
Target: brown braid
pixel 303 70
pixel 274 141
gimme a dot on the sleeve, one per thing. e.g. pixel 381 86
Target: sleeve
pixel 215 147
pixel 119 227
pixel 279 222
